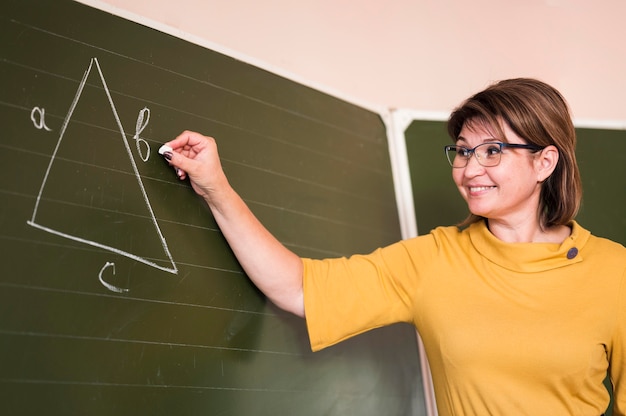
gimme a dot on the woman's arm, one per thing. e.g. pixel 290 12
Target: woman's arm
pixel 274 269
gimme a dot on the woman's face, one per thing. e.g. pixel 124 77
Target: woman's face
pixel 508 192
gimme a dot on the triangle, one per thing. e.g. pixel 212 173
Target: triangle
pixel 92 191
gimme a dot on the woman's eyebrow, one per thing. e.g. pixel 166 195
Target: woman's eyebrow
pixel 490 139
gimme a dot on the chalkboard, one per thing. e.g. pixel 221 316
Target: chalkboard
pixel 601 156
pixel 118 293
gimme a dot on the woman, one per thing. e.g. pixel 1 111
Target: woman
pixel 521 310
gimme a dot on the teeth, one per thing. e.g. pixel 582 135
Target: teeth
pixel 479 188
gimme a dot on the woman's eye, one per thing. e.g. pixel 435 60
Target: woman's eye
pixel 463 152
pixel 493 150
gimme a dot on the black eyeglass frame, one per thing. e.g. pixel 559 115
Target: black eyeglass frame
pixel 472 151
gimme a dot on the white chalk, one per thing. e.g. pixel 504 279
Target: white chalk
pixel 164 148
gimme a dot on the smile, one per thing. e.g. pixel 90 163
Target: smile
pixel 480 188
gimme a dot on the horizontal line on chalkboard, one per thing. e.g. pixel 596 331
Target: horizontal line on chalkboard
pixel 347 161
pixel 84 247
pixel 358 195
pixel 325 187
pixel 183 224
pixel 142 342
pixel 158 142
pixel 200 81
pixel 125 297
pixel 159 386
pixel 247 200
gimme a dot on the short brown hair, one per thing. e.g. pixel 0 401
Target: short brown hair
pixel 539 114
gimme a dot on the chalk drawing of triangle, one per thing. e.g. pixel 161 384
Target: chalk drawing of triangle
pixel 92 191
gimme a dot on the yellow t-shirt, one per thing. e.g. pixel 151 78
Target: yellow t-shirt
pixel 509 328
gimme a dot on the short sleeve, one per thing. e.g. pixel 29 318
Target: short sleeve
pixel 348 296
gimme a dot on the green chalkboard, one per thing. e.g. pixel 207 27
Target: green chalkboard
pixel 118 293
pixel 601 156
pixel 602 161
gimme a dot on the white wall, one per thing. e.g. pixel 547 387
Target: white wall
pixel 424 55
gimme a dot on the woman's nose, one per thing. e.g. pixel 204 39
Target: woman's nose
pixel 473 167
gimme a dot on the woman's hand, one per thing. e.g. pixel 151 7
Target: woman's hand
pixel 195 156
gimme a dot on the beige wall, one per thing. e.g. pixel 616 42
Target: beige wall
pixel 424 55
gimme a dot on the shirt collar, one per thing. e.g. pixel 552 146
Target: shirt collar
pixel 529 257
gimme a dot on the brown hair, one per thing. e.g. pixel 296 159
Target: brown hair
pixel 539 114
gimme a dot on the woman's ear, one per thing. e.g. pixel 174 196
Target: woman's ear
pixel 546 162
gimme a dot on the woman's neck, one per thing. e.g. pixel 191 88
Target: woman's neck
pixel 528 232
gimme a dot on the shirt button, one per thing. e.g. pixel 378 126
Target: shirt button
pixel 572 252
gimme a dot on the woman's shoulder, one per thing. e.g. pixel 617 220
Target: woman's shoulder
pixel 603 243
pixel 438 237
pixel 604 250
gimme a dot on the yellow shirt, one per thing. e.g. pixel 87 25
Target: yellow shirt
pixel 509 328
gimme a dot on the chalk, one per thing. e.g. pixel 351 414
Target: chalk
pixel 165 148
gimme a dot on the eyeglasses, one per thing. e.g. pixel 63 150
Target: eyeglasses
pixel 487 154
